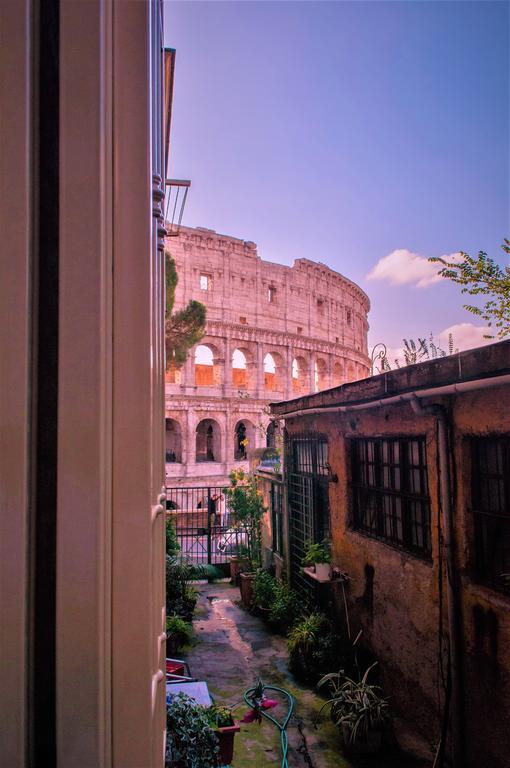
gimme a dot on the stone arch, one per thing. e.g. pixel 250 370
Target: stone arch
pixel 271 431
pixel 244 439
pixel 206 364
pixel 208 441
pixel 338 373
pixel 173 375
pixel 173 441
pixel 299 370
pixel 274 370
pixel 242 368
pixel 321 374
pixel 351 371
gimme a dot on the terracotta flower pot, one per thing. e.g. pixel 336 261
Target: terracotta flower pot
pixel 246 586
pixel 226 737
pixel 237 565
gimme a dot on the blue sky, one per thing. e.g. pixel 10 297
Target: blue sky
pixel 345 131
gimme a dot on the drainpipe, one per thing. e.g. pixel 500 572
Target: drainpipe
pixel 452 580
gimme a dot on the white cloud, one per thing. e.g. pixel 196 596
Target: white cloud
pixel 465 336
pixel 403 267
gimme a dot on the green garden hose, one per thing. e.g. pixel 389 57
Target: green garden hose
pixel 254 696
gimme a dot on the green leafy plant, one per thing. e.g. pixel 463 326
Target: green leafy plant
pixel 181 597
pixel 264 587
pixel 317 553
pixel 172 545
pixel 356 707
pixel 185 328
pixel 285 607
pixel 313 647
pixel 219 716
pixel 191 741
pixel 481 276
pixel 181 630
pixel 247 506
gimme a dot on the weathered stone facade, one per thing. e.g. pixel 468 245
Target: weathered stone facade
pixel 311 320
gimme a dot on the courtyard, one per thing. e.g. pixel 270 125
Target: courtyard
pixel 232 650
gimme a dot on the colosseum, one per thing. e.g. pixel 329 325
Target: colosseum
pixel 273 332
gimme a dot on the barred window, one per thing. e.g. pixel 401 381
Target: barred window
pixel 390 492
pixel 276 518
pixel 490 485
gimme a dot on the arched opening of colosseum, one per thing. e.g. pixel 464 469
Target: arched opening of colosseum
pixel 338 374
pixel 208 442
pixel 273 370
pixel 320 375
pixel 239 369
pixel 173 374
pixel 173 441
pixel 206 371
pixel 351 372
pixel 244 439
pixel 271 435
pixel 299 371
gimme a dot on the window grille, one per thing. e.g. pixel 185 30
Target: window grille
pixel 390 492
pixel 205 282
pixel 490 484
pixel 276 497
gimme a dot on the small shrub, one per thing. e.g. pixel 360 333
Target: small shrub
pixel 181 597
pixel 285 607
pixel 317 553
pixel 313 648
pixel 172 545
pixel 219 716
pixel 264 587
pixel 356 706
pixel 181 630
pixel 191 742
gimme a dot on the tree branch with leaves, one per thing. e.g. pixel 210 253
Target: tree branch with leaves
pixel 185 328
pixel 482 276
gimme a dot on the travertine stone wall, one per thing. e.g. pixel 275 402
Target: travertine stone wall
pixel 306 312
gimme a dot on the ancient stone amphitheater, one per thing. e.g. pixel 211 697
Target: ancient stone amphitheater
pixel 273 332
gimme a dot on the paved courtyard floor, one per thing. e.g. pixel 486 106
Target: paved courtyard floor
pixel 233 650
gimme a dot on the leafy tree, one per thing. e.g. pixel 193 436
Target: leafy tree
pixel 185 328
pixel 481 276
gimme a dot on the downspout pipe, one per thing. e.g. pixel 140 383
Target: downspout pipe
pixel 452 580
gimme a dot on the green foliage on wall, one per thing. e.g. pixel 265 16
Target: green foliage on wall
pixel 185 328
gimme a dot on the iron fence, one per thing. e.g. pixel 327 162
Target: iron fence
pixel 203 524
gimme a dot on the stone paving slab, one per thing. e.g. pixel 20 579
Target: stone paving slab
pixel 233 650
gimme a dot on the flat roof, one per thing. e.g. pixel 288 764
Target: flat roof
pixel 488 362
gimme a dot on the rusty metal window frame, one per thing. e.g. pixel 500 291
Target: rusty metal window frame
pixel 390 499
pixel 490 500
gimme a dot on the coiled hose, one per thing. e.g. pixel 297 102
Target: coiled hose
pixel 282 727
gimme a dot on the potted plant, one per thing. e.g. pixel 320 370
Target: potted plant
pixel 319 555
pixel 181 596
pixel 225 728
pixel 191 742
pixel 312 646
pixel 358 709
pixel 239 563
pixel 178 633
pixel 264 588
pixel 285 607
pixel 247 507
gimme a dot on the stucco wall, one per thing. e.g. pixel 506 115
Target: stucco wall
pixel 394 596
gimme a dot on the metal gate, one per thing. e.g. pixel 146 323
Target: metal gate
pixel 308 477
pixel 203 524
